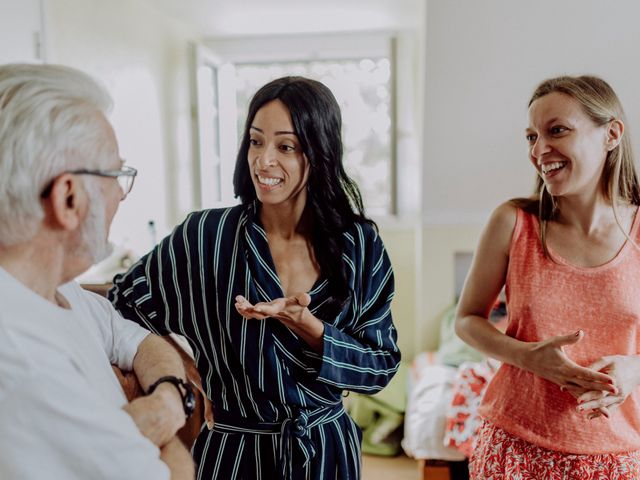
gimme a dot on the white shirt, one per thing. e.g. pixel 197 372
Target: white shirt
pixel 61 411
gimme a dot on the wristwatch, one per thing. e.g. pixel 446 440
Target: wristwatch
pixel 187 396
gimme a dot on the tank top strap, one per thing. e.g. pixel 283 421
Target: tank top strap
pixel 526 234
pixel 635 227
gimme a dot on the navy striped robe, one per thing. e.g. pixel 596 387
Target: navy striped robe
pixel 277 404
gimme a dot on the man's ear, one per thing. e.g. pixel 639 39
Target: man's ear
pixel 68 202
pixel 615 130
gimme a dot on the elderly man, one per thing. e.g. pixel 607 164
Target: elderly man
pixel 63 414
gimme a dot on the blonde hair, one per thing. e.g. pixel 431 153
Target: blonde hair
pixel 619 180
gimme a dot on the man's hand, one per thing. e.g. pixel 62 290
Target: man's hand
pixel 159 415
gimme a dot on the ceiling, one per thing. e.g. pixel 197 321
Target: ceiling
pixel 220 18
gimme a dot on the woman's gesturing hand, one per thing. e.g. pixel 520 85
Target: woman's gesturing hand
pixel 548 360
pixel 625 371
pixel 578 392
pixel 289 310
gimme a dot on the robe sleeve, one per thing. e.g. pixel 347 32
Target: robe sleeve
pixel 364 356
pixel 157 291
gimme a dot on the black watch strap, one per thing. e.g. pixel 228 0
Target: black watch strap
pixel 188 397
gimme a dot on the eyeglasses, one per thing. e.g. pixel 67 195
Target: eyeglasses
pixel 125 177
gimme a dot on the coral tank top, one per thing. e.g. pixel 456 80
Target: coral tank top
pixel 545 299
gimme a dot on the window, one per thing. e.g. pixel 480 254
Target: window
pixel 362 88
pixel 362 82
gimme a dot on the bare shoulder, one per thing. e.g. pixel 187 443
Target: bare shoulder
pixel 490 263
pixel 502 222
pixel 504 216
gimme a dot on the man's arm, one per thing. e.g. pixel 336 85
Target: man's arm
pixel 75 432
pixel 159 415
pixel 157 358
pixel 129 346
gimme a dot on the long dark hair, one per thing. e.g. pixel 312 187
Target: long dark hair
pixel 332 197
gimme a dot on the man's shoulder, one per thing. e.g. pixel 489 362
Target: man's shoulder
pixel 26 353
pixel 34 337
pixel 76 295
pixel 25 321
pixel 15 364
pixel 93 308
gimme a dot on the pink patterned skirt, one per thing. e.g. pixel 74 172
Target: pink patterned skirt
pixel 498 455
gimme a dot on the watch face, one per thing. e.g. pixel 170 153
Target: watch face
pixel 189 403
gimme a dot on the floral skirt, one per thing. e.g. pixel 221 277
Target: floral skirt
pixel 498 455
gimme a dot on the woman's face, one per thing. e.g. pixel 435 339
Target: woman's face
pixel 279 170
pixel 565 145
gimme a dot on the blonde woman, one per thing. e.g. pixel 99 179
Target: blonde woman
pixel 565 402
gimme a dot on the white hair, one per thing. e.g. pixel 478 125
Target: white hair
pixel 51 121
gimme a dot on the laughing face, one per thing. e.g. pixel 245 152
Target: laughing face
pixel 565 145
pixel 279 169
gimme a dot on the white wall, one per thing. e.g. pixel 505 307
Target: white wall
pixel 142 56
pixel 483 60
pixel 282 17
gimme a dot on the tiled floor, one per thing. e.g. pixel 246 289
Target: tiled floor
pixel 385 468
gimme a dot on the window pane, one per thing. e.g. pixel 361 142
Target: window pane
pixel 362 88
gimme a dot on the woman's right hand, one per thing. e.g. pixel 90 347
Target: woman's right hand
pixel 548 360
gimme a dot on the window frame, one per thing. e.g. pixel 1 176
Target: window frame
pixel 280 49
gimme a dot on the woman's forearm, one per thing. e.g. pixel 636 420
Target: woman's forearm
pixel 310 329
pixel 484 337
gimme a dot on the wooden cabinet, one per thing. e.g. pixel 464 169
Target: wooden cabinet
pixel 441 470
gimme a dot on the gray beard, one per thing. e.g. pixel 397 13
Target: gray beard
pixel 93 231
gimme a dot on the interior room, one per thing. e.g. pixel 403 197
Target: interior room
pixel 434 102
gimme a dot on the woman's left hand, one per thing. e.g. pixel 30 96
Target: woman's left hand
pixel 290 310
pixel 625 369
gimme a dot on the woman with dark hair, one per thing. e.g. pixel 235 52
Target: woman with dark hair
pixel 285 298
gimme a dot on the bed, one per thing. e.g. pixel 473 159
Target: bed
pixel 445 390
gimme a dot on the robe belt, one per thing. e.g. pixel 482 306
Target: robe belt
pixel 293 431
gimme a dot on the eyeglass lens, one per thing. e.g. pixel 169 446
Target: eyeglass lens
pixel 125 182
